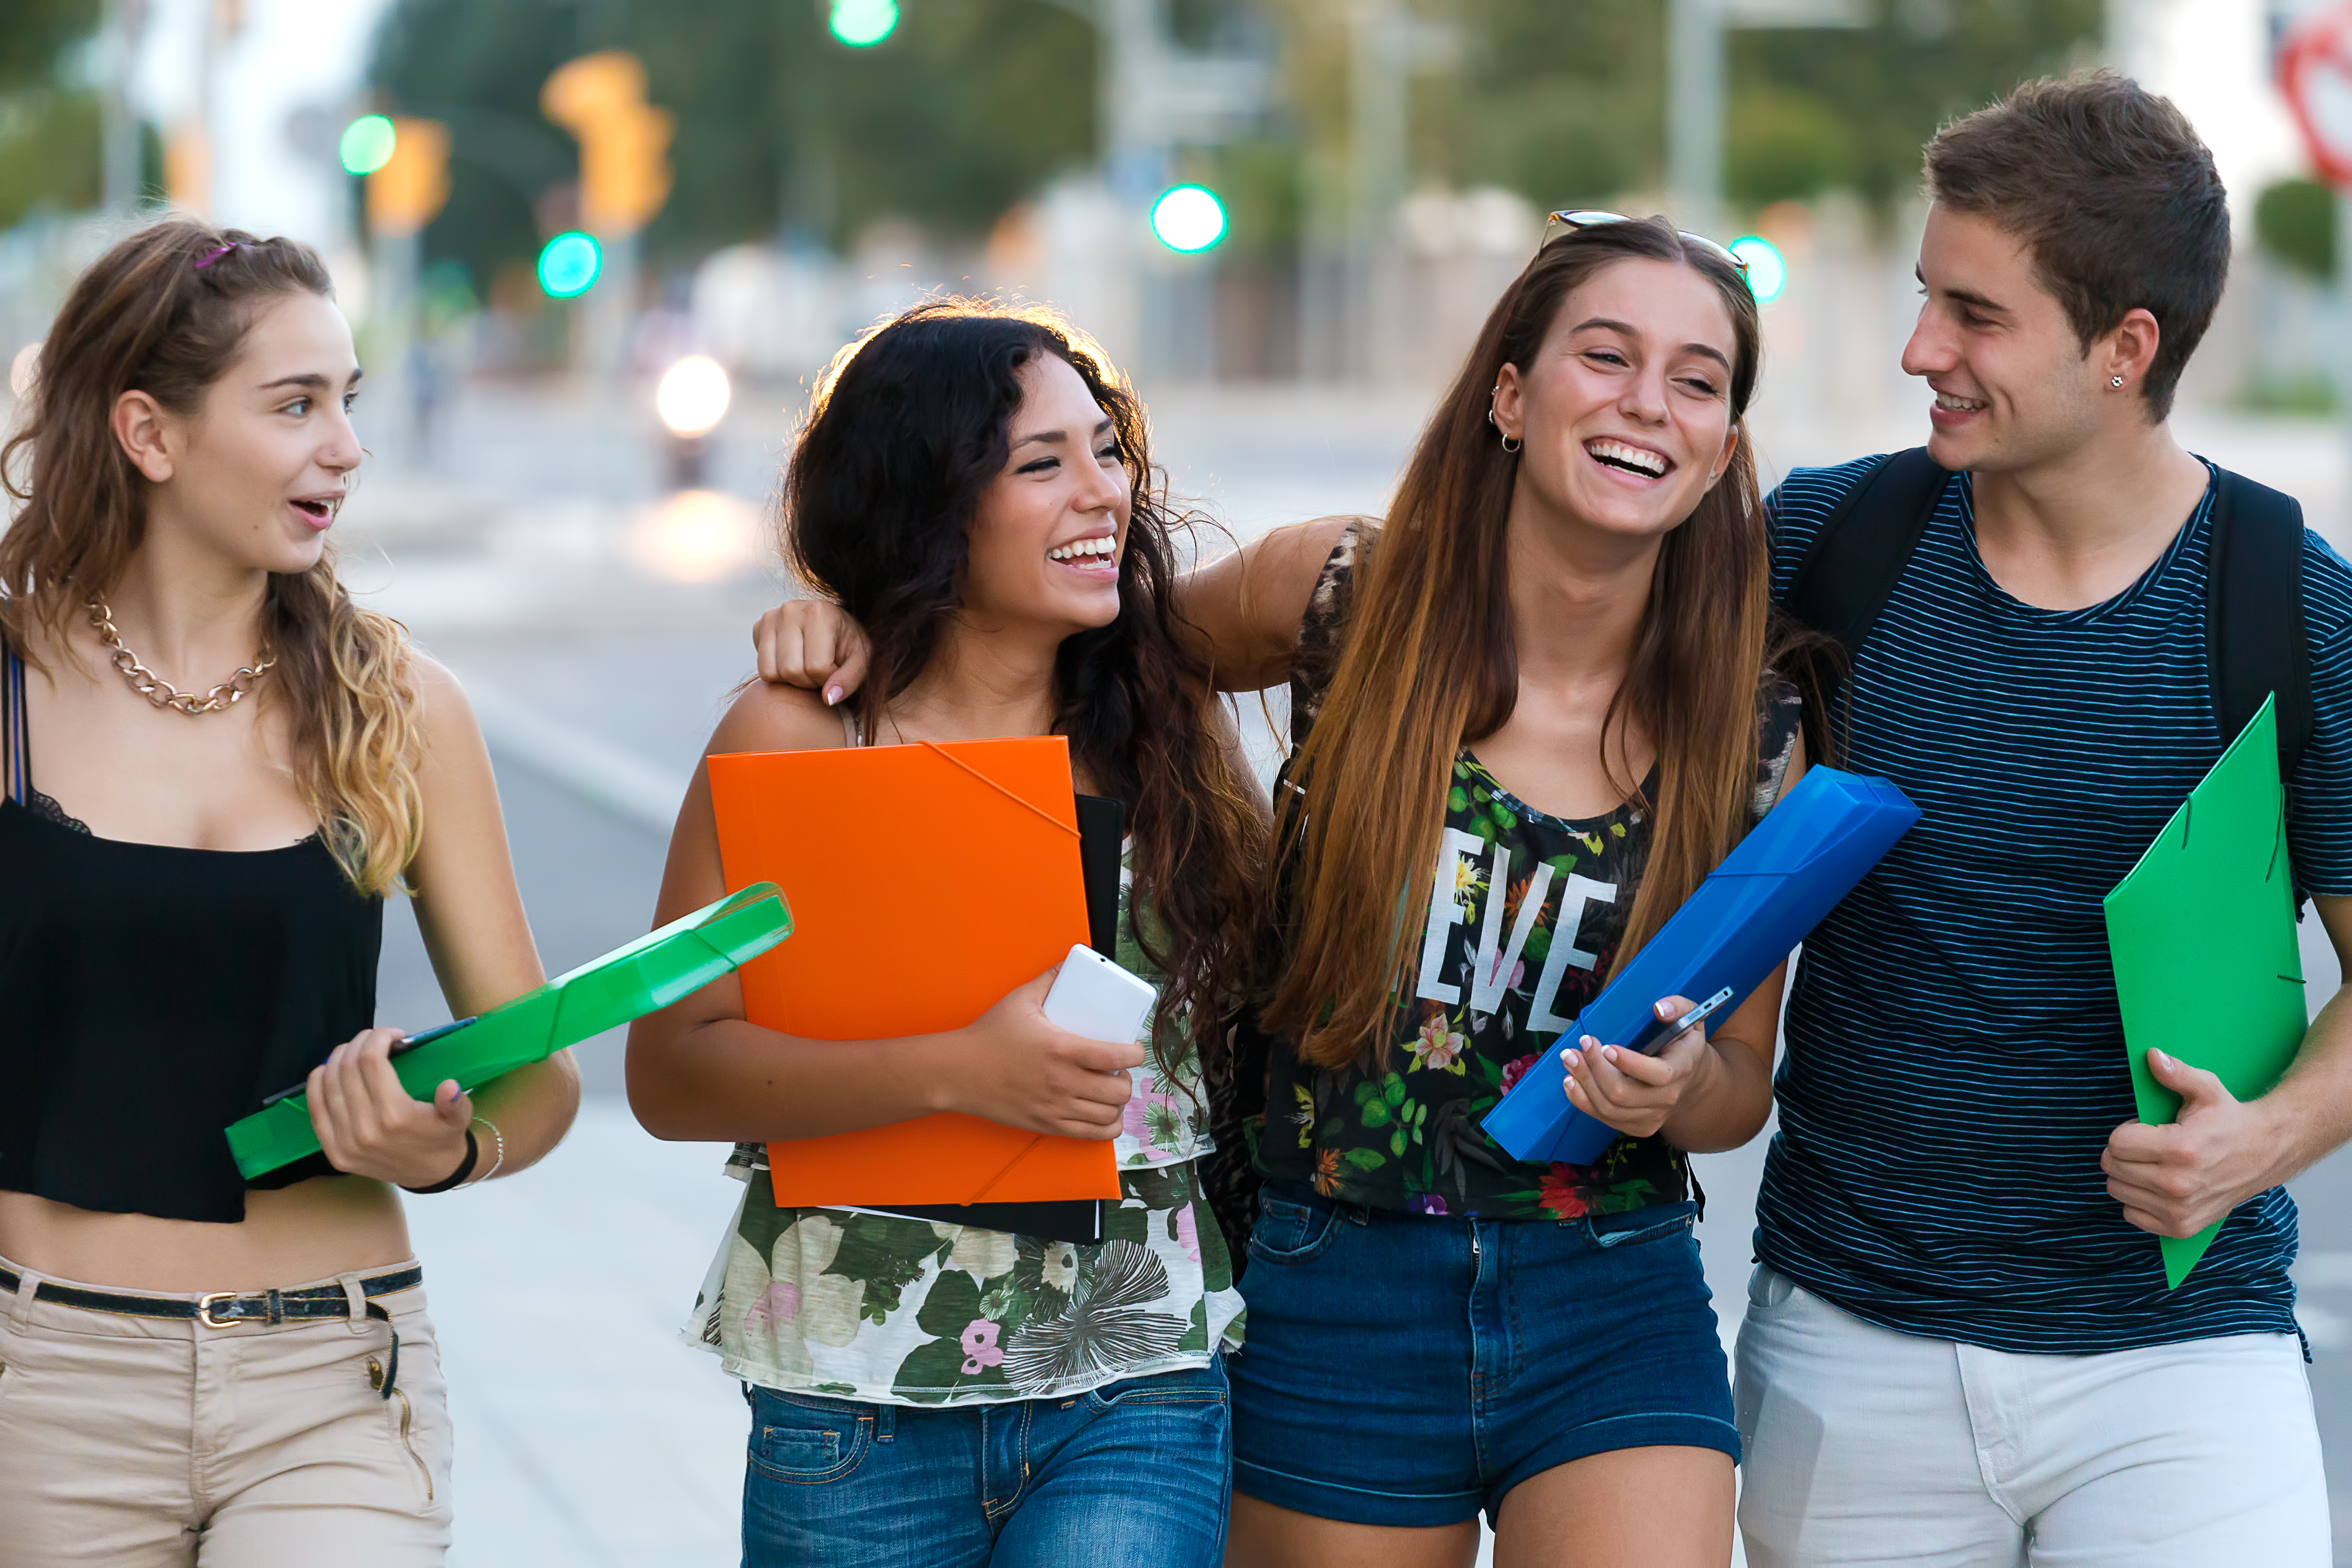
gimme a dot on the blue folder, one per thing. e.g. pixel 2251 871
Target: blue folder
pixel 1766 897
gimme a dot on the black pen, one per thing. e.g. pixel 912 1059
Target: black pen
pixel 411 1043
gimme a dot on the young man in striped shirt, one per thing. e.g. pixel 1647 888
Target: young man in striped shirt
pixel 1958 1346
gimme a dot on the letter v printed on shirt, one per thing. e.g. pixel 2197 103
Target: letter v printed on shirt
pixel 1494 962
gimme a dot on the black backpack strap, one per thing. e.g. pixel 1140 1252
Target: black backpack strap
pixel 2255 642
pixel 1860 552
pixel 15 779
pixel 1851 569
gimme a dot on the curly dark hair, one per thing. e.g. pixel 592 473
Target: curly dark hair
pixel 905 430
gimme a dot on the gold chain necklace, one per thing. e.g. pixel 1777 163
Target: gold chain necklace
pixel 158 690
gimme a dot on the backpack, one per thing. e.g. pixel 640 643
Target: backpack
pixel 2254 642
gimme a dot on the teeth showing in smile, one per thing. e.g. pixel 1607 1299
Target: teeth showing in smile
pixel 1617 454
pixel 1084 549
pixel 1951 404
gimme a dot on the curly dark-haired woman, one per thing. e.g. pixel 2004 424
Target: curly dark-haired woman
pixel 973 483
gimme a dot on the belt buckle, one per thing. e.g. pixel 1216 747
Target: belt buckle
pixel 205 1310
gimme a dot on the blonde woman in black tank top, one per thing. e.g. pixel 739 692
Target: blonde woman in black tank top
pixel 190 903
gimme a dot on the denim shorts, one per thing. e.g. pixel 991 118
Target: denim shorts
pixel 1132 1472
pixel 1407 1369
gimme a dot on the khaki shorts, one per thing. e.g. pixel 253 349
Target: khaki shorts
pixel 140 1442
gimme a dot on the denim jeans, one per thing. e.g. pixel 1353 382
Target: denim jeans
pixel 1136 1473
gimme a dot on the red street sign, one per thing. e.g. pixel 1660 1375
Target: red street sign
pixel 2314 70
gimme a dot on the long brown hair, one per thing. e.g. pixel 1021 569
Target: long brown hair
pixel 148 317
pixel 1429 665
pixel 905 430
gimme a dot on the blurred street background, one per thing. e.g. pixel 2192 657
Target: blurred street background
pixel 595 250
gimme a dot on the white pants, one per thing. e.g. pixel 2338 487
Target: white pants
pixel 1866 1446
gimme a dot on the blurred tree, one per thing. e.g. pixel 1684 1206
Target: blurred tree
pixel 1564 100
pixel 1257 179
pixel 48 127
pixel 1785 146
pixel 2294 221
pixel 1890 86
pixel 969 106
pixel 37 34
pixel 50 155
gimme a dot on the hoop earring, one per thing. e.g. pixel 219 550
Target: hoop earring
pixel 1511 445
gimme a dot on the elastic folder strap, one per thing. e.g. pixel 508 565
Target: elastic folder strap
pixel 1005 1169
pixel 1025 805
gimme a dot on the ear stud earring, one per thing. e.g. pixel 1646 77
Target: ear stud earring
pixel 2114 381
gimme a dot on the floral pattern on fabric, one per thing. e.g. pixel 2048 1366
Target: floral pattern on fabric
pixel 1525 915
pixel 882 1308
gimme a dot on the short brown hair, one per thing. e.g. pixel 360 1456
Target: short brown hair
pixel 2116 198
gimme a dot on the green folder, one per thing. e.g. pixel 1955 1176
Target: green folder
pixel 2202 937
pixel 649 974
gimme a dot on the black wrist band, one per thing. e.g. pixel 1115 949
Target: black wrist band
pixel 457 1177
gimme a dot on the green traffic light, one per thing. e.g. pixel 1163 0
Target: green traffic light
pixel 1767 269
pixel 569 265
pixel 367 145
pixel 862 23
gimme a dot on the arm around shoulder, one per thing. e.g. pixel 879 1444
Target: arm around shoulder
pixel 1247 605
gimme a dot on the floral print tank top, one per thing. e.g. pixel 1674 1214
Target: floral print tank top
pixel 1525 915
pixel 884 1309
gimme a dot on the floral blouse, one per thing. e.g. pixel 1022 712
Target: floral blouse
pixel 884 1309
pixel 1525 915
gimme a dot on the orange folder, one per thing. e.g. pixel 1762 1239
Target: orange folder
pixel 927 881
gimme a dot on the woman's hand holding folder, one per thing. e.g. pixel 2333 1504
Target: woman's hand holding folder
pixel 1705 1088
pixel 1633 1091
pixel 1024 1071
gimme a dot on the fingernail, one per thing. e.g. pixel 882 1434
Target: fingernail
pixel 1590 1042
pixel 832 695
pixel 1659 1007
pixel 1608 1053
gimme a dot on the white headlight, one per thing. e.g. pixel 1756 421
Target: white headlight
pixel 693 396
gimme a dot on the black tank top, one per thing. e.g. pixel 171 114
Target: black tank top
pixel 149 995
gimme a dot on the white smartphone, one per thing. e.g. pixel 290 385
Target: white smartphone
pixel 1095 997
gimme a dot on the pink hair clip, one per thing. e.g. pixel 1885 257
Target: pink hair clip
pixel 207 261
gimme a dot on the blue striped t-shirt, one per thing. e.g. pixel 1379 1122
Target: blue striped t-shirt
pixel 1955 1057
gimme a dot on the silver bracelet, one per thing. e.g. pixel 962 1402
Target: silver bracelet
pixel 499 1139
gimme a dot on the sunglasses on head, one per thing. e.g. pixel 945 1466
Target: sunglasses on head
pixel 1563 222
